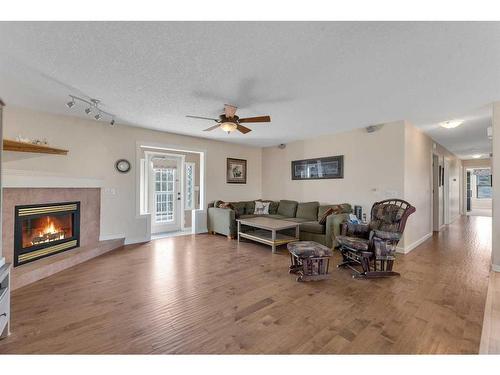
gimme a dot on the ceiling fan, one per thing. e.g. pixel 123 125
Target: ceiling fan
pixel 229 122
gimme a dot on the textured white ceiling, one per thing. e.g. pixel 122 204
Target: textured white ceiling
pixel 312 78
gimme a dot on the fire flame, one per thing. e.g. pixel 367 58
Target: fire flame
pixel 50 228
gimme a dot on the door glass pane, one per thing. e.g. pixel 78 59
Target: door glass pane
pixel 164 195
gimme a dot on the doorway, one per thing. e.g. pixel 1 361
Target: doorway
pixel 165 196
pixel 479 191
pixel 437 193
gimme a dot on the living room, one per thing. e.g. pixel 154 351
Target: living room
pixel 160 202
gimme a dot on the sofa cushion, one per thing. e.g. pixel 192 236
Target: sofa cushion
pixel 344 208
pixel 248 216
pixel 276 216
pixel 312 227
pixel 249 207
pixel 287 208
pixel 308 210
pixel 239 208
pixel 295 219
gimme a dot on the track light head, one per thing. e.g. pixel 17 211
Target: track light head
pixel 70 103
pixel 112 123
pixel 98 117
pixel 88 110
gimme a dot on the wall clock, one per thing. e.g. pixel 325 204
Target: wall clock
pixel 122 166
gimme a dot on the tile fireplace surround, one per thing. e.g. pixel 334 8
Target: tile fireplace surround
pixel 89 198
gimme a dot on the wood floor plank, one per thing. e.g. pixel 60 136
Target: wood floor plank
pixel 208 294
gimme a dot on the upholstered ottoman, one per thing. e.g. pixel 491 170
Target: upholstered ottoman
pixel 309 260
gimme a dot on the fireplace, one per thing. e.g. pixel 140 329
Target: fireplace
pixel 42 230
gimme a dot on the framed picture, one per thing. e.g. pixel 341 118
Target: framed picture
pixel 319 168
pixel 236 171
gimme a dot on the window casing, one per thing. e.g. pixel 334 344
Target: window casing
pixel 189 173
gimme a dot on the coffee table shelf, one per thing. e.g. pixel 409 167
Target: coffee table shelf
pixel 267 231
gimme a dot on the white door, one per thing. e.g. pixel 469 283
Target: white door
pixel 166 198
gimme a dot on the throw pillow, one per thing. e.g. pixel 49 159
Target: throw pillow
pixel 261 208
pixel 226 205
pixel 330 211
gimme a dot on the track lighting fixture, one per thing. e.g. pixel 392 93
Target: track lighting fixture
pixel 92 107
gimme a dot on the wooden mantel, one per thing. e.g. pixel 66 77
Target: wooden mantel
pixel 10 145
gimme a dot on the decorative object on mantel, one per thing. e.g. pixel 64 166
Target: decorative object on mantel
pixel 236 172
pixel 318 168
pixel 122 166
pixel 92 108
pixel 10 145
pixel 34 141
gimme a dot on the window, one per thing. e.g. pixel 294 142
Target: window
pixel 189 195
pixel 164 195
pixel 483 184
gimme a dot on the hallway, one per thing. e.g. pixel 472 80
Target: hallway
pixel 171 296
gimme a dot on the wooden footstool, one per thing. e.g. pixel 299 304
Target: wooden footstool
pixel 310 260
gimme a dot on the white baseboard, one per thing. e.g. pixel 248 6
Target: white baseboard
pixel 133 240
pixel 106 237
pixel 410 247
pixel 495 267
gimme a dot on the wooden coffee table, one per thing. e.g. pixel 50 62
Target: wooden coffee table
pixel 267 231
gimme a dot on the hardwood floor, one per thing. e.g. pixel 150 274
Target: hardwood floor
pixel 207 294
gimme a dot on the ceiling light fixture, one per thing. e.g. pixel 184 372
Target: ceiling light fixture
pixel 92 107
pixel 228 126
pixel 489 132
pixel 451 124
pixel 476 156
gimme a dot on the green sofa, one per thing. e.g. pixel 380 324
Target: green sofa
pixel 223 220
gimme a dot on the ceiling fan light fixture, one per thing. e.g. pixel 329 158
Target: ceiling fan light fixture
pixel 476 156
pixel 451 124
pixel 228 126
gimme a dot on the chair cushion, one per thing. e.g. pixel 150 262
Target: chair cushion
pixel 295 219
pixel 287 208
pixel 386 217
pixel 354 243
pixel 308 210
pixel 312 227
pixel 308 249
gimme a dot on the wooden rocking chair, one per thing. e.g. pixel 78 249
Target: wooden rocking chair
pixel 373 246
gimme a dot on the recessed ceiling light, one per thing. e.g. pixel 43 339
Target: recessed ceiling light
pixel 451 124
pixel 477 156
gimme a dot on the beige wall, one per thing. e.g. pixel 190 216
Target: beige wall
pixel 95 146
pixel 373 167
pixel 417 183
pixel 419 148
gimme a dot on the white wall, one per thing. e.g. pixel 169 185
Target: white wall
pixel 373 168
pixel 95 146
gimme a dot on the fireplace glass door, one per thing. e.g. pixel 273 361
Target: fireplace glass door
pixel 45 229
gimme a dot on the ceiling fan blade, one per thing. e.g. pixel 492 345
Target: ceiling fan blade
pixel 243 129
pixel 202 118
pixel 230 110
pixel 211 128
pixel 255 119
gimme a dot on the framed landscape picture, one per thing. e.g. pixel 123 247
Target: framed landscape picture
pixel 319 168
pixel 236 171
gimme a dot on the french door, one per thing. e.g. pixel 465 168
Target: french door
pixel 165 199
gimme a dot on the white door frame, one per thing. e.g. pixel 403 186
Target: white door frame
pixel 178 200
pixel 446 192
pixel 201 213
